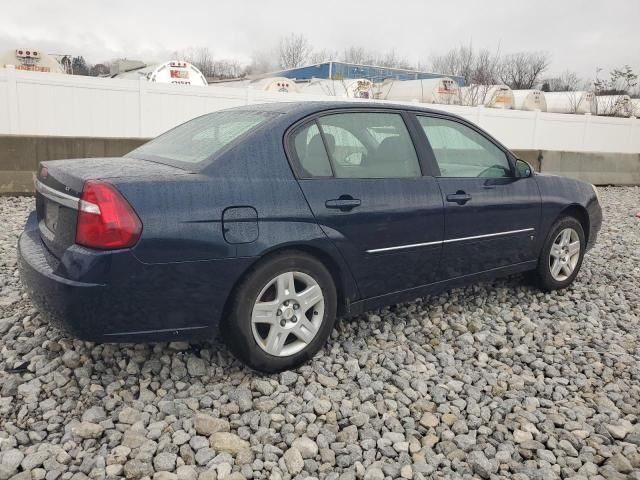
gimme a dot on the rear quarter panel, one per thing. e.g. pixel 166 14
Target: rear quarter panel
pixel 182 215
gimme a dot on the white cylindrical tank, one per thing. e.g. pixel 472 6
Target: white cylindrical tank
pixel 175 72
pixel 635 107
pixel 443 90
pixel 570 102
pixel 347 88
pixel 529 100
pixel 492 96
pixel 613 105
pixel 32 59
pixel 358 88
pixel 275 84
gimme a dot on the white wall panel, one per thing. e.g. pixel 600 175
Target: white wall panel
pixel 33 103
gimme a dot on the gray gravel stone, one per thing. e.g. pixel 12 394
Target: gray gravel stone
pixel 307 447
pixel 293 460
pixel 88 430
pixel 495 379
pixel 206 425
pixel 227 442
pixel 165 462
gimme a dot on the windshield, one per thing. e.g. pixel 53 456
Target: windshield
pixel 200 138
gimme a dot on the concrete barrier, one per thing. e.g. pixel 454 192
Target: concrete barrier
pixel 20 155
pixel 596 168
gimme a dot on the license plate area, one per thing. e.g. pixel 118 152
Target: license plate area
pixel 51 212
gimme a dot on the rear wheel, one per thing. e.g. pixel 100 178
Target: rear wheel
pixel 282 313
pixel 562 254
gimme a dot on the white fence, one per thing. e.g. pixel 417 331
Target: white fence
pixel 33 103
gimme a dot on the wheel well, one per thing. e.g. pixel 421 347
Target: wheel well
pixel 579 213
pixel 317 253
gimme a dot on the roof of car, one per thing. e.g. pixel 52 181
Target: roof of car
pixel 318 106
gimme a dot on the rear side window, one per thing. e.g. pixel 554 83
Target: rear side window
pixel 462 152
pixel 311 152
pixel 200 138
pixel 358 145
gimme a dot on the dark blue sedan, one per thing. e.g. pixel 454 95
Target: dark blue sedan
pixel 267 221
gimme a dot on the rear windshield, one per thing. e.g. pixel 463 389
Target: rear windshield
pixel 200 138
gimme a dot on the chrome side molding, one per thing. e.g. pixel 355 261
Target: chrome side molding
pixel 451 240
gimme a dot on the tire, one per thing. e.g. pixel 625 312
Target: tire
pixel 559 270
pixel 273 327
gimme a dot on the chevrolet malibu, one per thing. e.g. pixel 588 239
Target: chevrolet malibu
pixel 263 223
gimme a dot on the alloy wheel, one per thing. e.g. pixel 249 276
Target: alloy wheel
pixel 287 314
pixel 564 254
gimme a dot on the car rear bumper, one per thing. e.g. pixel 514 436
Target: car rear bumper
pixel 112 297
pixel 68 304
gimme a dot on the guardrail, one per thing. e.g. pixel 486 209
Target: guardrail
pixel 34 103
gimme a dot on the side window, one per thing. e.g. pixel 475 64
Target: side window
pixel 311 152
pixel 463 152
pixel 369 145
pixel 345 148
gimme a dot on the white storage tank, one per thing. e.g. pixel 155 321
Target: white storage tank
pixel 176 72
pixel 570 102
pixel 275 84
pixel 613 105
pixel 358 88
pixel 635 107
pixel 31 59
pixel 443 90
pixel 347 88
pixel 492 96
pixel 529 100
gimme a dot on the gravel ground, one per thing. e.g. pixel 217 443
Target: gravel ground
pixel 496 380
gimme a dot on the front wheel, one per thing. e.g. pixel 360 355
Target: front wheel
pixel 561 255
pixel 282 313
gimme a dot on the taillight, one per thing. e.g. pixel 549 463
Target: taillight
pixel 106 221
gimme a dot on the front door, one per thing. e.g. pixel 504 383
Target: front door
pixel 362 179
pixel 491 215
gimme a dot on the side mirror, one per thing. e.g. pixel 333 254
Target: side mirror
pixel 523 169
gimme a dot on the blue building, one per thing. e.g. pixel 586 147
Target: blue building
pixel 342 70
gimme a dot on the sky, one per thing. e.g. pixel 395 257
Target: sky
pixel 580 35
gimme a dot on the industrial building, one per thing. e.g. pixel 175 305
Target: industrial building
pixel 342 70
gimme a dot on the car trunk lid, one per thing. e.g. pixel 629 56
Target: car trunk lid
pixel 59 185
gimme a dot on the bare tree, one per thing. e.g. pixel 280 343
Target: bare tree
pixel 294 51
pixel 356 55
pixel 324 55
pixel 362 56
pixel 621 81
pixel 522 71
pixel 478 68
pixel 566 82
pixel 99 70
pixel 611 93
pixel 203 60
pixel 227 68
pixel 263 61
pixel 474 66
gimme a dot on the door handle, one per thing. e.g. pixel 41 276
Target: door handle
pixel 460 197
pixel 344 203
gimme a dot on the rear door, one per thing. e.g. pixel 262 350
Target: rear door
pixel 491 215
pixel 362 178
